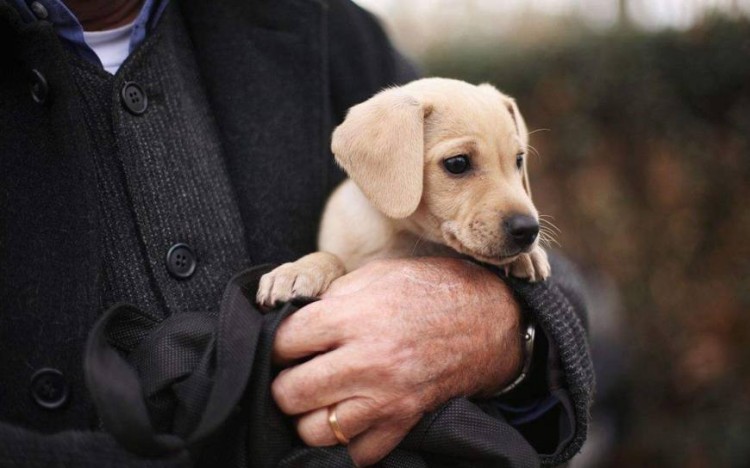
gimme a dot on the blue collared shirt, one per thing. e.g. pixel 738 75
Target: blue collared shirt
pixel 70 31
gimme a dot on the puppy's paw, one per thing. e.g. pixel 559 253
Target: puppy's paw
pixel 533 266
pixel 286 282
pixel 309 276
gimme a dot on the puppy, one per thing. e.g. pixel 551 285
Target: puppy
pixel 437 168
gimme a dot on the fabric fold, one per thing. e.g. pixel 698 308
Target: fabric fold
pixel 194 375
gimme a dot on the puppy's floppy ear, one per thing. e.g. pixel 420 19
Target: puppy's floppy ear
pixel 381 146
pixel 523 136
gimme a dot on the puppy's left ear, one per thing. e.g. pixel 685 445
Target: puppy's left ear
pixel 523 136
pixel 381 146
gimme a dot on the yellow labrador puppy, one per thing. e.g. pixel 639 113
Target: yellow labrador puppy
pixel 437 168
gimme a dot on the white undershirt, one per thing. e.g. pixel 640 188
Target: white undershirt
pixel 111 46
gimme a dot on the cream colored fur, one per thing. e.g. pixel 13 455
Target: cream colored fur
pixel 401 202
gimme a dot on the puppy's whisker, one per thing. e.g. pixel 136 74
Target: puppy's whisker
pixel 539 130
pixel 548 237
pixel 547 223
pixel 548 232
pixel 416 244
pixel 544 243
pixel 533 150
pixel 551 229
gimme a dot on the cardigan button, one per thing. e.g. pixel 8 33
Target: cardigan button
pixel 39 10
pixel 39 87
pixel 134 98
pixel 49 388
pixel 181 261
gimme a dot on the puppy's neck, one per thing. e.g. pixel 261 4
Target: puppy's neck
pixel 410 243
pixel 420 235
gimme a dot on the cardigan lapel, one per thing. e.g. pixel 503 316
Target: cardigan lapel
pixel 265 73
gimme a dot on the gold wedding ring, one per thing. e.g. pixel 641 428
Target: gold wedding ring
pixel 335 426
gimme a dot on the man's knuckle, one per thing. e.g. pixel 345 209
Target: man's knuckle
pixel 397 362
pixel 385 374
pixel 371 408
pixel 378 361
pixel 283 395
pixel 312 435
pixel 372 362
pixel 314 314
pixel 410 406
pixel 356 456
pixel 365 457
pixel 285 332
pixel 328 370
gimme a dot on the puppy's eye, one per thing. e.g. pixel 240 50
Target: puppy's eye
pixel 519 160
pixel 457 164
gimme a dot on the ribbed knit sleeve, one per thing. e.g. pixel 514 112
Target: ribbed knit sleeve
pixel 558 307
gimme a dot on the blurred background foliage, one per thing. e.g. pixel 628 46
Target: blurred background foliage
pixel 643 142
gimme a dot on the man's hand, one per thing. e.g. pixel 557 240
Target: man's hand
pixel 390 341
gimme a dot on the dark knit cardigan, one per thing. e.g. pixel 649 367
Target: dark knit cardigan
pixel 267 81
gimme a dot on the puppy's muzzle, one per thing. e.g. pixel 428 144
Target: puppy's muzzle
pixel 522 230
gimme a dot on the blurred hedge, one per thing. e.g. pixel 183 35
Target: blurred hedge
pixel 646 169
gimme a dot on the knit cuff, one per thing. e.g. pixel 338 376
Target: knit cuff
pixel 557 306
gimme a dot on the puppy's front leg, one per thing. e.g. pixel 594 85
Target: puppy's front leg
pixel 533 266
pixel 309 276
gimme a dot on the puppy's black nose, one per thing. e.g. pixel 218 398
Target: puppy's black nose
pixel 522 229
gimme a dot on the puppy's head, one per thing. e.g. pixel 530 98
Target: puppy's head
pixel 449 159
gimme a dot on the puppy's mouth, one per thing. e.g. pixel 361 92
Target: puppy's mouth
pixel 451 234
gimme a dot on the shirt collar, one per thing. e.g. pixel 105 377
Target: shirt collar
pixel 70 31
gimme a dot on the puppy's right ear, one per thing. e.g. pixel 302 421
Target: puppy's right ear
pixel 381 146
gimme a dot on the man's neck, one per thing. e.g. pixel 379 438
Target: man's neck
pixel 99 15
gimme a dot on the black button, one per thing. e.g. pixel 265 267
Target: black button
pixel 133 98
pixel 39 87
pixel 39 10
pixel 181 261
pixel 49 389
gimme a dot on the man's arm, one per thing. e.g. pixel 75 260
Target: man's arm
pixel 397 338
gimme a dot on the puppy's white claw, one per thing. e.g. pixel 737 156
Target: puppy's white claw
pixel 541 264
pixel 522 267
pixel 308 277
pixel 277 286
pixel 533 266
pixel 265 285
